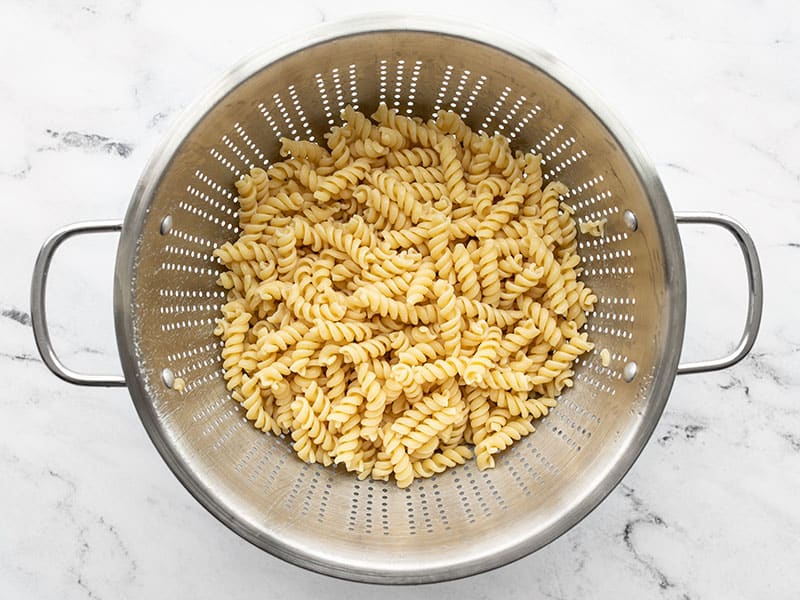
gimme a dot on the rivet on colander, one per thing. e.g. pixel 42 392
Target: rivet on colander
pixel 166 225
pixel 629 217
pixel 168 377
pixel 629 371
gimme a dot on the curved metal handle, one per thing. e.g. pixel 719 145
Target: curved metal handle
pixel 38 317
pixel 755 285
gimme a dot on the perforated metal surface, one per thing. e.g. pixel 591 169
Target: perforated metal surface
pixel 462 521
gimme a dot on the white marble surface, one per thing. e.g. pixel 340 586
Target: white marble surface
pixel 87 508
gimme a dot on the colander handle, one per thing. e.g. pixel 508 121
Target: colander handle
pixel 41 332
pixel 755 298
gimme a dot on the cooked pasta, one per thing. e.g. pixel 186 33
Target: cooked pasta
pixel 401 293
pixel 605 357
pixel 594 228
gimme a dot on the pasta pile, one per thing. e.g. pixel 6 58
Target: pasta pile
pixel 403 294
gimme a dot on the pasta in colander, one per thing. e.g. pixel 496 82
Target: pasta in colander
pixel 401 296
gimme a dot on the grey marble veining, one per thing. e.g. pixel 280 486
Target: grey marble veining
pixel 709 510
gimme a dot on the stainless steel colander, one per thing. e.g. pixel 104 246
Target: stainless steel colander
pixel 463 521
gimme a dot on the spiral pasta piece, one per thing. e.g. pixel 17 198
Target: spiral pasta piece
pixel 386 208
pixel 283 400
pixel 544 321
pixel 527 278
pixel 349 449
pixel 540 407
pixel 485 356
pixel 282 338
pixel 508 266
pixel 337 140
pixel 522 335
pixel 417 174
pixel 244 250
pixel 452 170
pixel 483 311
pixel 233 336
pixel 416 133
pixel 398 457
pixel 449 317
pixel 503 378
pixel 303 352
pixel 309 311
pixel 501 157
pixel 562 358
pixel 367 149
pixel 302 149
pixel 437 242
pixel 398 192
pixel 450 122
pixel 339 239
pixel 387 307
pixel 303 445
pixel 466 275
pixel 411 418
pixel 498 416
pixel 421 283
pixel 375 402
pixel 413 157
pixel 553 277
pixel 285 244
pixel 336 379
pixel 454 433
pixel 441 461
pixel 305 418
pixel 261 181
pixel 488 188
pixel 332 186
pixel 280 173
pixel 398 266
pixel 550 213
pixel 391 138
pixel 248 200
pixel 382 469
pixel 515 402
pixel 488 272
pixel 502 212
pixel 513 431
pixel 568 245
pixel 478 409
pixel 341 332
pixel 532 171
pixel 427 193
pixel 421 353
pixel 359 352
pixel 438 370
pixel 257 404
pixel 358 125
pixel 346 408
pixel 429 428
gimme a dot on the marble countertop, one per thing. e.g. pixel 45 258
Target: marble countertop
pixel 89 510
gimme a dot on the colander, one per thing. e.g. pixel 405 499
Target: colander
pixel 463 521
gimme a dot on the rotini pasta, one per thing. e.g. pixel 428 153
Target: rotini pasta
pixel 594 228
pixel 401 292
